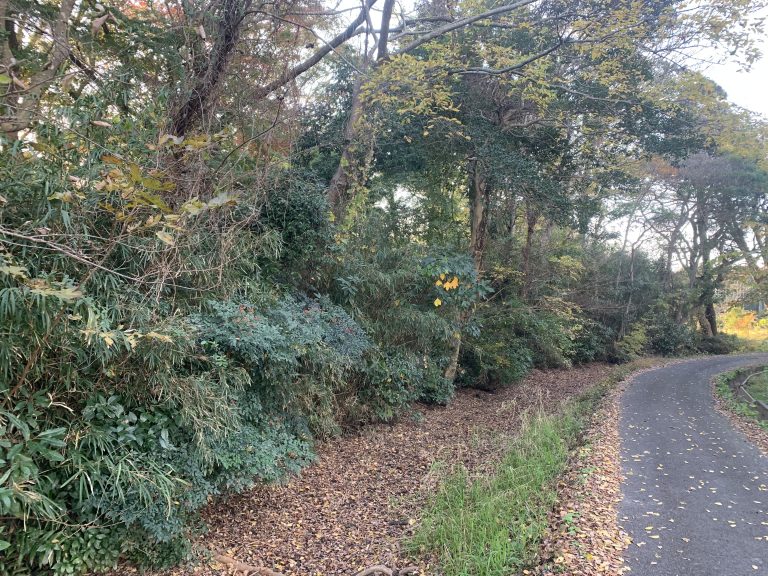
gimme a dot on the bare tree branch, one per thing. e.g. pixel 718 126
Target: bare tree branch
pixel 229 25
pixel 437 32
pixel 292 73
pixel 386 16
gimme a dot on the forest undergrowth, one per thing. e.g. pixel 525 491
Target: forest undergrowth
pixel 360 503
pixel 239 236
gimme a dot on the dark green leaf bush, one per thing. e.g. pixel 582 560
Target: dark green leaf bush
pixel 668 337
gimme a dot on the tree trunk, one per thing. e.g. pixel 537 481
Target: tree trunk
pixel 453 361
pixel 532 219
pixel 21 104
pixel 706 281
pixel 479 198
pixel 628 306
pixel 337 193
pixel 711 315
pixel 228 27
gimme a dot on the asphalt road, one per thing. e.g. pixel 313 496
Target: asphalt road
pixel 695 498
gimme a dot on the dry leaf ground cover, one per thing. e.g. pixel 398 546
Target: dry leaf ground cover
pixel 354 506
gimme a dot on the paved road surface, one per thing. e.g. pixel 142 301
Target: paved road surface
pixel 695 498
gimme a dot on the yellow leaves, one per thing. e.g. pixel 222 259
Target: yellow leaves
pixel 197 142
pixel 160 337
pixel 43 147
pixel 223 199
pixel 42 287
pixel 66 197
pixel 135 195
pixel 195 206
pixel 414 86
pixel 110 159
pixel 452 285
pixel 18 272
pixel 165 138
pixel 165 237
pixel 446 285
pixel 129 339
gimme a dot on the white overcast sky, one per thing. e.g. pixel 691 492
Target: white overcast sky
pixel 746 89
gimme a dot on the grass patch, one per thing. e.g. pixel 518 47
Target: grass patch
pixel 758 387
pixel 734 403
pixel 493 525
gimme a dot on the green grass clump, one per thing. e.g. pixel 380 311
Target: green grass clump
pixel 734 403
pixel 489 525
pixel 493 525
pixel 758 387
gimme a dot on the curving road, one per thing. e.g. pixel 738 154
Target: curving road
pixel 695 497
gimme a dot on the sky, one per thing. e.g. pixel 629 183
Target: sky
pixel 746 89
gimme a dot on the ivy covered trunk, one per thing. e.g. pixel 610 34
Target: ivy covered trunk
pixel 479 199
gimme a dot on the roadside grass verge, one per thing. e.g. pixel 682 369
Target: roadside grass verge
pixel 493 525
pixel 732 402
pixel 758 386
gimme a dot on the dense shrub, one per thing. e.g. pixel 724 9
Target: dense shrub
pixel 668 337
pixel 511 338
pixel 495 353
pixel 592 341
pixel 297 211
pixel 634 343
pixel 297 353
pixel 719 344
pixel 91 477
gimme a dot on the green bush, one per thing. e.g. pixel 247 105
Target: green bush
pixel 387 385
pixel 433 387
pixel 493 355
pixel 719 344
pixel 634 343
pixel 592 341
pixel 668 337
pixel 298 353
pixel 298 212
pixel 507 339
